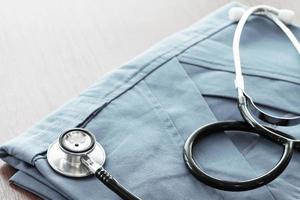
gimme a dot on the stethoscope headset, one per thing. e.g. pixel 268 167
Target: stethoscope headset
pixel 76 153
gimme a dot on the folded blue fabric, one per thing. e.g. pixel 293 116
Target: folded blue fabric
pixel 143 112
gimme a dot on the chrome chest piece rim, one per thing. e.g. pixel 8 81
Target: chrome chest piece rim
pixel 64 155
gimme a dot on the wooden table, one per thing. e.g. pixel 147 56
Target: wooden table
pixel 51 50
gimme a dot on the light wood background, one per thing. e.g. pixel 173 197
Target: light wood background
pixel 50 50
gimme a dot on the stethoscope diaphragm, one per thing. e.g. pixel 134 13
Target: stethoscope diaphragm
pixel 64 155
pixel 76 153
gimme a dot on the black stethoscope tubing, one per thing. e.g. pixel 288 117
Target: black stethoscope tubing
pixel 218 127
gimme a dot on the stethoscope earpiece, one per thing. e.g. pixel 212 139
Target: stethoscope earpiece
pixel 236 13
pixel 285 15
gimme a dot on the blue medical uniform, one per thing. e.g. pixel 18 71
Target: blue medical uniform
pixel 143 112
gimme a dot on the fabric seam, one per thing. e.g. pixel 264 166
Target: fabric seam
pixel 151 98
pixel 222 27
pixel 187 60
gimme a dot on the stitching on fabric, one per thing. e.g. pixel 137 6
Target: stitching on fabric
pixel 169 58
pixel 188 60
pixel 152 99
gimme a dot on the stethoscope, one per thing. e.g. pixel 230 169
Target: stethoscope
pixel 250 112
pixel 76 153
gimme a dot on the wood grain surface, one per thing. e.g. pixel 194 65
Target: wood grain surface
pixel 50 50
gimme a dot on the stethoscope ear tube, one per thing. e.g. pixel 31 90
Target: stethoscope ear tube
pixel 200 174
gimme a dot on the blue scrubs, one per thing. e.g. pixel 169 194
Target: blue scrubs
pixel 146 109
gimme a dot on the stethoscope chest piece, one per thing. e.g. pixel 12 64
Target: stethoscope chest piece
pixel 64 155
